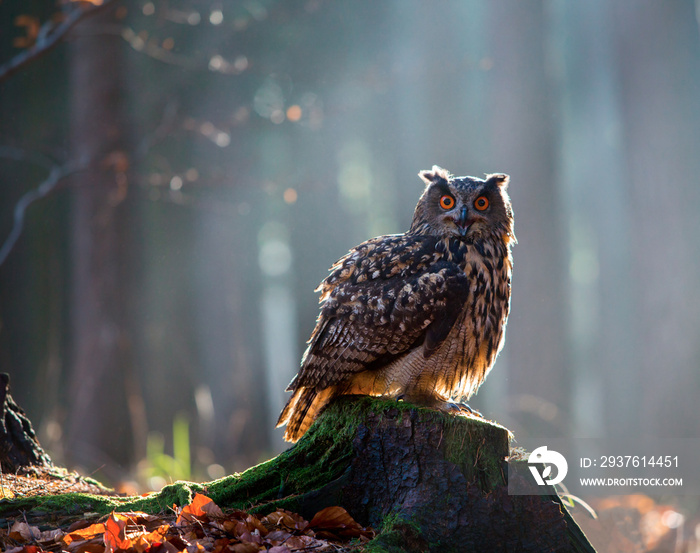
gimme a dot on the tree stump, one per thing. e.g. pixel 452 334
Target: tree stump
pixel 19 448
pixel 429 481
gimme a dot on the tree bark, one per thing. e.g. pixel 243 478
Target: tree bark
pixel 99 430
pixel 19 447
pixel 428 481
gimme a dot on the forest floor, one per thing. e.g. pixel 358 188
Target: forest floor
pixel 43 481
pixel 198 526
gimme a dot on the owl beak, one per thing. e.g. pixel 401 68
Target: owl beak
pixel 463 222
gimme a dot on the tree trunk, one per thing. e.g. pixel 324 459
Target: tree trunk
pixel 99 430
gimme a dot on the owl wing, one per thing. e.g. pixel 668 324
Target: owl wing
pixel 387 296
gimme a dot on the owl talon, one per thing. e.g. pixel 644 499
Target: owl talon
pixel 463 408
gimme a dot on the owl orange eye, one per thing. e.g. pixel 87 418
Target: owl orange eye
pixel 447 202
pixel 481 203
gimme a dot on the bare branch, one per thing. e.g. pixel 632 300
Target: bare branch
pixel 57 173
pixel 50 35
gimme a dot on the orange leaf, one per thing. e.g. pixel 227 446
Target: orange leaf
pixel 144 541
pixel 84 533
pixel 94 545
pixel 200 506
pixel 115 533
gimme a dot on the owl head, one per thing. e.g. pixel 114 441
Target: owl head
pixel 464 207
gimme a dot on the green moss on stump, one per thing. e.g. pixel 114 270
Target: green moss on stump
pixel 325 452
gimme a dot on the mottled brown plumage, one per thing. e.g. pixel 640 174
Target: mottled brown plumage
pixel 419 315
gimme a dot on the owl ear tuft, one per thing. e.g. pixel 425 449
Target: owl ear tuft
pixel 500 179
pixel 436 174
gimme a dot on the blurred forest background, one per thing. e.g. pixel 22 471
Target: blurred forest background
pixel 178 175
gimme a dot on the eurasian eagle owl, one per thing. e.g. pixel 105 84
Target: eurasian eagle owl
pixel 420 315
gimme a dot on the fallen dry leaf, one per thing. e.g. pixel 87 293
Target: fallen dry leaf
pixel 254 524
pixel 282 518
pixel 115 534
pixel 278 537
pixel 201 506
pixel 84 533
pixel 21 531
pixel 336 521
pixel 302 542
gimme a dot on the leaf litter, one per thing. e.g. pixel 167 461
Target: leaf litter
pixel 202 526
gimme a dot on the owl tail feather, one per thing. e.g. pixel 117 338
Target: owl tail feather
pixel 302 409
